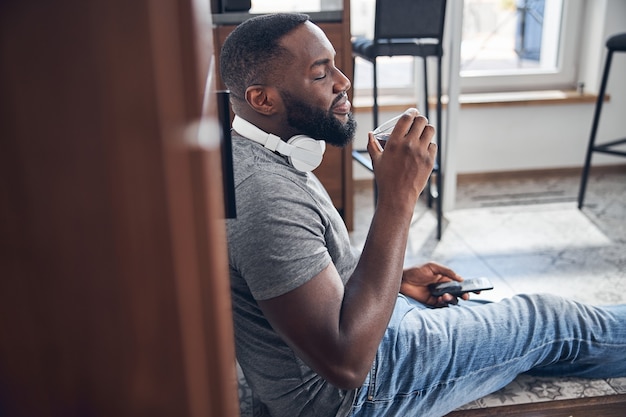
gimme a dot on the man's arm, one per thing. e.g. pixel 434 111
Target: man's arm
pixel 336 330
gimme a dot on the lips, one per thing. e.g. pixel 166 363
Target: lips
pixel 343 106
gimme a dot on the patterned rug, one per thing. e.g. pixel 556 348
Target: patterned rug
pixel 529 389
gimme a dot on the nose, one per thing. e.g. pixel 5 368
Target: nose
pixel 342 83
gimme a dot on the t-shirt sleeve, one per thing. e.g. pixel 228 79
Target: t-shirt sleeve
pixel 277 242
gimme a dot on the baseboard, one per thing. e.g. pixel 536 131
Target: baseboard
pixel 366 183
pixel 538 173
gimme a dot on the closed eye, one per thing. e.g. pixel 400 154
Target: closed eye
pixel 320 69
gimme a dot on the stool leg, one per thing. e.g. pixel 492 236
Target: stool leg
pixel 439 153
pixel 375 94
pixel 425 112
pixel 375 118
pixel 424 59
pixel 594 129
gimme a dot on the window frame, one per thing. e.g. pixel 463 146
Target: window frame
pixel 565 76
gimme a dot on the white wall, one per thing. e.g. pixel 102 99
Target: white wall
pixel 492 139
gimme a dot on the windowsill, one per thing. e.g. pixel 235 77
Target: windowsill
pixel 521 98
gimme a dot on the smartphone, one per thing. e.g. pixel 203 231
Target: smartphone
pixel 459 288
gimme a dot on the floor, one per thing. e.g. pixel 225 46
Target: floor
pixel 527 235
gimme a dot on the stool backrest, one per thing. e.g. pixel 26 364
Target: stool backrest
pixel 396 19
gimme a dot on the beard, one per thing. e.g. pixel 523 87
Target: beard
pixel 318 124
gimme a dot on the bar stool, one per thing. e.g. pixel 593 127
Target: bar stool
pixel 408 28
pixel 616 43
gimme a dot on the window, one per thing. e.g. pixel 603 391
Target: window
pixel 506 45
pixel 519 44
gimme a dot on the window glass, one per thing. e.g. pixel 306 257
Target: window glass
pixel 506 45
pixel 511 45
pixel 511 37
pixel 503 35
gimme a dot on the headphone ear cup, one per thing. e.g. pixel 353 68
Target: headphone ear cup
pixel 307 153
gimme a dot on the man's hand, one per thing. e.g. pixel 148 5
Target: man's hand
pixel 401 172
pixel 415 282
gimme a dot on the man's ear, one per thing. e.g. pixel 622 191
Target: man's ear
pixel 263 99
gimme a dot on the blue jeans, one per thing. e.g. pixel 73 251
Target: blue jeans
pixel 432 361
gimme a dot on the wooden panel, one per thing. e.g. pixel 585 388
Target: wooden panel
pixel 327 172
pixel 334 32
pixel 102 310
pixel 219 36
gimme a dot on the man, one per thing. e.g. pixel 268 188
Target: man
pixel 324 331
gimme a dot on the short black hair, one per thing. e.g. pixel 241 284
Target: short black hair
pixel 251 50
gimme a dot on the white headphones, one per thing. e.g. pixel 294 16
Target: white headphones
pixel 303 152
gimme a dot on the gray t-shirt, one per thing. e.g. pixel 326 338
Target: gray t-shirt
pixel 286 232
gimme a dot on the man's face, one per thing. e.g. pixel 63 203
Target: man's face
pixel 313 90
